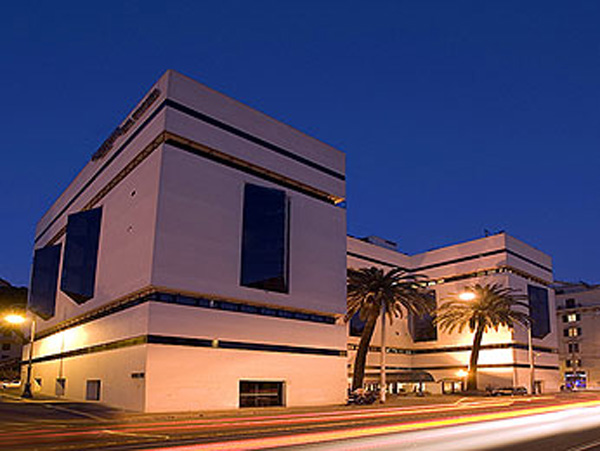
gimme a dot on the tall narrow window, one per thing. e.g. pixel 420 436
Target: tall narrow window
pixel 44 281
pixel 539 311
pixel 265 239
pixel 357 325
pixel 422 328
pixel 81 255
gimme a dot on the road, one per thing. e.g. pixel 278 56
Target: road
pixel 562 422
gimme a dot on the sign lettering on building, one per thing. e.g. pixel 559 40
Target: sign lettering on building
pixel 122 129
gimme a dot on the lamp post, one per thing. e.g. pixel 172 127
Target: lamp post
pixel 467 296
pixel 382 359
pixel 531 362
pixel 19 319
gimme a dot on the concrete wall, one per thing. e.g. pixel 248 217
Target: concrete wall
pixel 183 378
pixel 199 230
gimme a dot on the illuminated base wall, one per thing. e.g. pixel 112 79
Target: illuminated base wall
pixel 157 357
pixel 191 379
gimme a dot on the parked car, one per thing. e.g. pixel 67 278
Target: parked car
pixel 508 391
pixel 11 384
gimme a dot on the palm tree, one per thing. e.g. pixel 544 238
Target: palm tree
pixel 371 290
pixel 481 308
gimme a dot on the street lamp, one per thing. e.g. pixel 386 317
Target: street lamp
pixel 531 362
pixel 20 319
pixel 466 296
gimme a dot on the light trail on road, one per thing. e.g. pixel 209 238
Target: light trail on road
pixel 393 436
pixel 264 420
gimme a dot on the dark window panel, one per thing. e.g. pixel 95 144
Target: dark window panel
pixel 92 390
pixel 81 255
pixel 539 311
pixel 261 394
pixel 357 326
pixel 264 239
pixel 422 328
pixel 44 281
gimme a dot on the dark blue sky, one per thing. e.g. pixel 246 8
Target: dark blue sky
pixel 456 116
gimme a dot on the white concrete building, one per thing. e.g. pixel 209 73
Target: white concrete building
pixel 196 262
pixel 419 353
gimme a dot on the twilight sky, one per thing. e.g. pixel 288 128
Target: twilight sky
pixel 455 116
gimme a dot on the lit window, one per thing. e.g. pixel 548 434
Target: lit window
pixel 572 317
pixel 575 363
pixel 572 332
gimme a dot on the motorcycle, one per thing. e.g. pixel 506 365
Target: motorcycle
pixel 362 397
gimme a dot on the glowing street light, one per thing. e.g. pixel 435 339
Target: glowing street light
pixel 14 318
pixel 466 296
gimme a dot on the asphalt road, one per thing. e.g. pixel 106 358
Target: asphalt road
pixel 544 423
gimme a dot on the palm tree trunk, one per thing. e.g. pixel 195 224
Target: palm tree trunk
pixel 361 355
pixel 472 376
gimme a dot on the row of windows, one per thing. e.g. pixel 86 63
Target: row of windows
pixel 239 307
pixel 573 363
pixel 264 256
pixel 92 387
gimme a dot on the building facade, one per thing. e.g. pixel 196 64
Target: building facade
pixel 195 263
pixel 420 357
pixel 578 312
pixel 198 262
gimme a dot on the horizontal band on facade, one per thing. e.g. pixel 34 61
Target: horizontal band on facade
pixel 207 302
pixel 244 166
pixel 454 261
pixel 188 342
pixel 445 349
pixel 145 153
pixel 464 367
pixel 464 276
pixel 251 138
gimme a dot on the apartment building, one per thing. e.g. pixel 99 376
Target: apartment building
pixel 578 316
